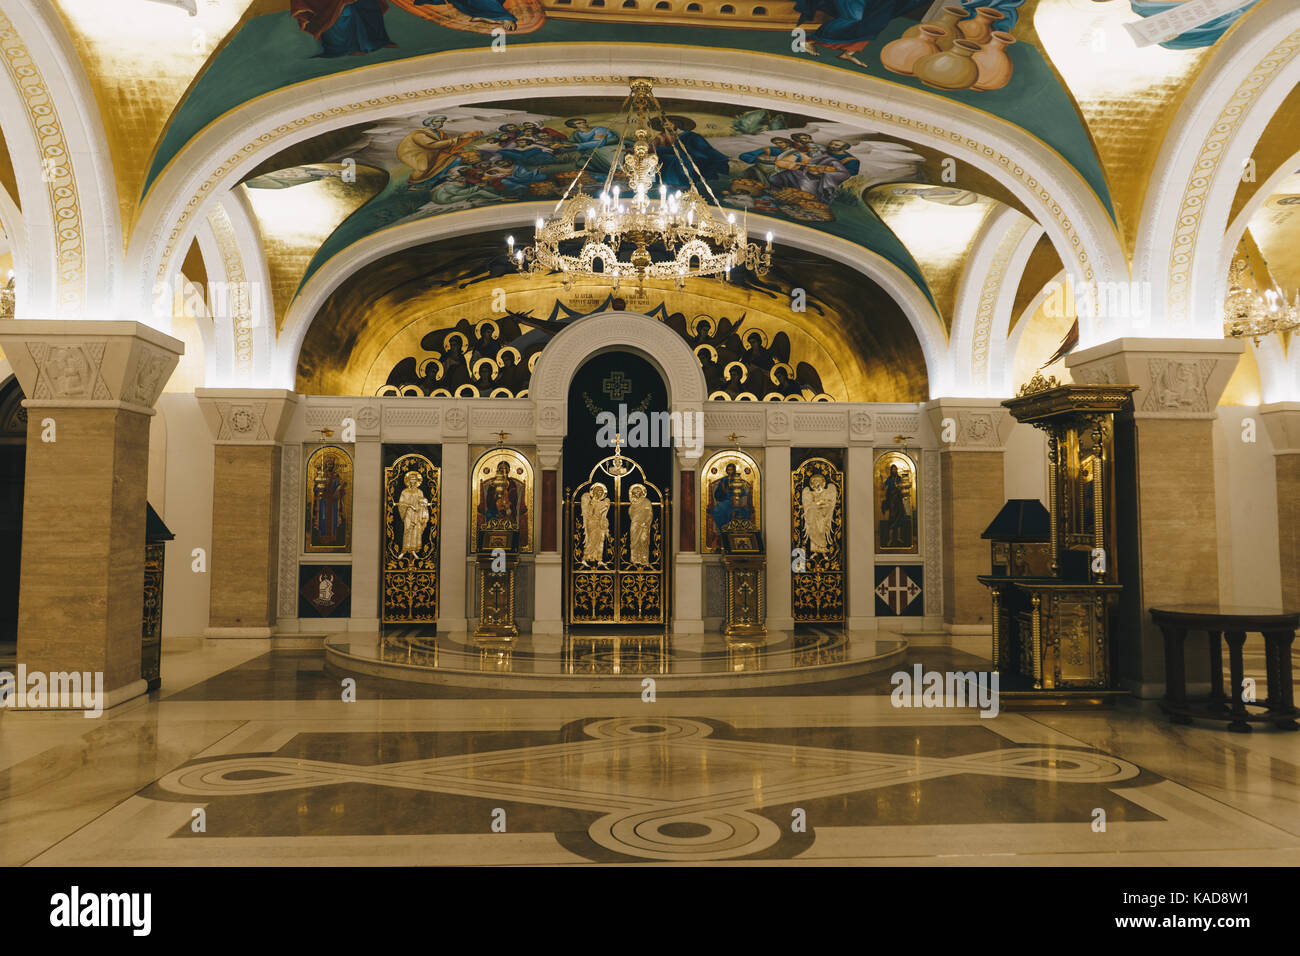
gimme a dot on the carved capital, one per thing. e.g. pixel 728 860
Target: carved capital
pixel 1282 420
pixel 247 416
pixel 1175 378
pixel 969 424
pixel 78 364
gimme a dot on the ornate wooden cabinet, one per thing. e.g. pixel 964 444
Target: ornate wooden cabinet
pixel 1055 586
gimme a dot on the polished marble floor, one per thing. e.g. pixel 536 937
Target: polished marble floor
pixel 249 756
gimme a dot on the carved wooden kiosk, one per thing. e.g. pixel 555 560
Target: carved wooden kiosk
pixel 1055 593
pixel 498 561
pixel 742 556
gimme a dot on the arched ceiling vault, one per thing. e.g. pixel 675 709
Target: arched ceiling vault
pixel 388 316
pixel 1078 219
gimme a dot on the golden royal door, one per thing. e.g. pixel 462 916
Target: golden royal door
pixel 616 529
pixel 817 525
pixel 412 512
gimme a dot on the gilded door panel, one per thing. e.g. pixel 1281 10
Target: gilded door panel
pixel 412 512
pixel 817 526
pixel 616 553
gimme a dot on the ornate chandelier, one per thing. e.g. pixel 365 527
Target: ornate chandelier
pixel 648 231
pixel 1248 313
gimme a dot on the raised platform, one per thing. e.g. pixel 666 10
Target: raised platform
pixel 610 662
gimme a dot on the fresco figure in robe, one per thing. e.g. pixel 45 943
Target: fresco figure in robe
pixel 343 27
pixel 598 142
pixel 850 24
pixel 711 163
pixel 327 504
pixel 431 153
pixel 478 11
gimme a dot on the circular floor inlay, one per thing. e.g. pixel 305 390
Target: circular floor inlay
pixel 647 729
pixel 684 829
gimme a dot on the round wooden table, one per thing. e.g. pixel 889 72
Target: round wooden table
pixel 1278 628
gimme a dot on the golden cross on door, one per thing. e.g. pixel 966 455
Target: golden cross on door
pixel 501 438
pixel 735 439
pixel 618 441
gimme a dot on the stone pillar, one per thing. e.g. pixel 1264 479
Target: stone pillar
pixel 452 567
pixel 248 426
pixel 776 535
pixel 688 564
pixel 91 389
pixel 1179 383
pixel 860 538
pixel 368 492
pixel 972 435
pixel 548 580
pixel 1282 419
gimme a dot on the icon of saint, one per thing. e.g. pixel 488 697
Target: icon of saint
pixel 327 503
pixel 896 509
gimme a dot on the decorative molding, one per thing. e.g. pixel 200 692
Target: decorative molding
pixel 289 530
pixel 66 221
pixel 241 306
pixel 1196 190
pixel 894 423
pixel 931 518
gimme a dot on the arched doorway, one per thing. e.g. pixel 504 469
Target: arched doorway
pixel 617 480
pixel 13 463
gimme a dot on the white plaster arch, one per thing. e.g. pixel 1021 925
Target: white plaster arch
pixel 312 296
pixel 63 169
pixel 244 325
pixel 1185 215
pixel 1022 323
pixel 985 296
pixel 1242 220
pixel 234 143
pixel 591 335
pixel 1279 369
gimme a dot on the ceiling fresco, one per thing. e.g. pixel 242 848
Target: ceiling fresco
pixel 291 41
pixel 773 164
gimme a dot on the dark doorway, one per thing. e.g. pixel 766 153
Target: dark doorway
pixel 13 463
pixel 603 384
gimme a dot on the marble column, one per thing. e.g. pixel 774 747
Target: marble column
pixel 1282 420
pixel 248 427
pixel 548 590
pixel 91 389
pixel 1179 384
pixel 860 515
pixel 688 564
pixel 452 567
pixel 972 435
pixel 776 535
